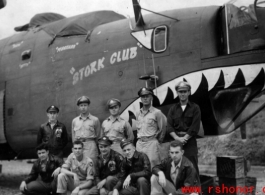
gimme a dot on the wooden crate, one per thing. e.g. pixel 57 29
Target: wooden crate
pixel 237 186
pixel 231 186
pixel 206 182
pixel 251 183
pixel 230 166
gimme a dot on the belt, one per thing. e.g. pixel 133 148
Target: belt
pixel 85 139
pixel 147 138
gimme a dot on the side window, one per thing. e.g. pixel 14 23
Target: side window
pixel 25 55
pixel 154 39
pixel 160 39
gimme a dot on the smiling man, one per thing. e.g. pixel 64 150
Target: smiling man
pixel 151 127
pixel 53 133
pixel 183 122
pixel 86 128
pixel 135 172
pixel 77 173
pixel 115 127
pixel 174 173
pixel 44 167
pixel 108 167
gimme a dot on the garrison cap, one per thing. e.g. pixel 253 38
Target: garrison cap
pixel 83 99
pixel 104 141
pixel 182 85
pixel 125 142
pixel 113 102
pixel 52 108
pixel 145 91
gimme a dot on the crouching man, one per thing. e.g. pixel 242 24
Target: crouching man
pixel 135 172
pixel 108 167
pixel 77 173
pixel 44 166
pixel 174 174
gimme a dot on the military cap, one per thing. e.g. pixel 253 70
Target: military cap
pixel 83 99
pixel 145 91
pixel 182 85
pixel 125 142
pixel 104 141
pixel 113 102
pixel 52 109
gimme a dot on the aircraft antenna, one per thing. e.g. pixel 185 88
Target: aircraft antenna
pixel 146 85
pixel 54 37
pixel 154 73
pixel 160 14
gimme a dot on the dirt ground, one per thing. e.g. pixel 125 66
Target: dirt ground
pixel 13 173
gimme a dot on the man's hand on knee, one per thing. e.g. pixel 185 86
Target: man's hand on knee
pixel 23 186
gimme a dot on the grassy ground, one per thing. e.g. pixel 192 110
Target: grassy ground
pixel 253 148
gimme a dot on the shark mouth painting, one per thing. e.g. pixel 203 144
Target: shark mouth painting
pixel 227 96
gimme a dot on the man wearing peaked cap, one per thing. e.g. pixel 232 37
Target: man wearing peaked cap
pixel 151 127
pixel 53 133
pixel 145 91
pixel 108 167
pixel 86 128
pixel 115 127
pixel 52 109
pixel 83 99
pixel 135 172
pixel 183 122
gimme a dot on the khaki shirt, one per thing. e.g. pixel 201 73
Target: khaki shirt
pixel 152 123
pixel 84 168
pixel 174 171
pixel 117 129
pixel 85 128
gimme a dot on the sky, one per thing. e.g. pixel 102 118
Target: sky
pixel 19 12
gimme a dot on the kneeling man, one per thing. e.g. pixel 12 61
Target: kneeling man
pixel 45 166
pixel 77 173
pixel 174 173
pixel 108 166
pixel 135 172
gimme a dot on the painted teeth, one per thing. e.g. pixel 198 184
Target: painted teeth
pixel 211 75
pixel 229 75
pixel 250 72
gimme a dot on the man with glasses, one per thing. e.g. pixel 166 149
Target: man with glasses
pixel 183 122
pixel 115 127
pixel 77 173
pixel 151 127
pixel 53 133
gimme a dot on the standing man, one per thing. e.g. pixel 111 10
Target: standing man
pixel 151 127
pixel 174 173
pixel 108 167
pixel 115 127
pixel 44 167
pixel 183 122
pixel 86 128
pixel 77 173
pixel 53 133
pixel 135 172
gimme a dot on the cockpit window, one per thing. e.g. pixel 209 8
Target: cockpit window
pixel 160 39
pixel 154 39
pixel 240 13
